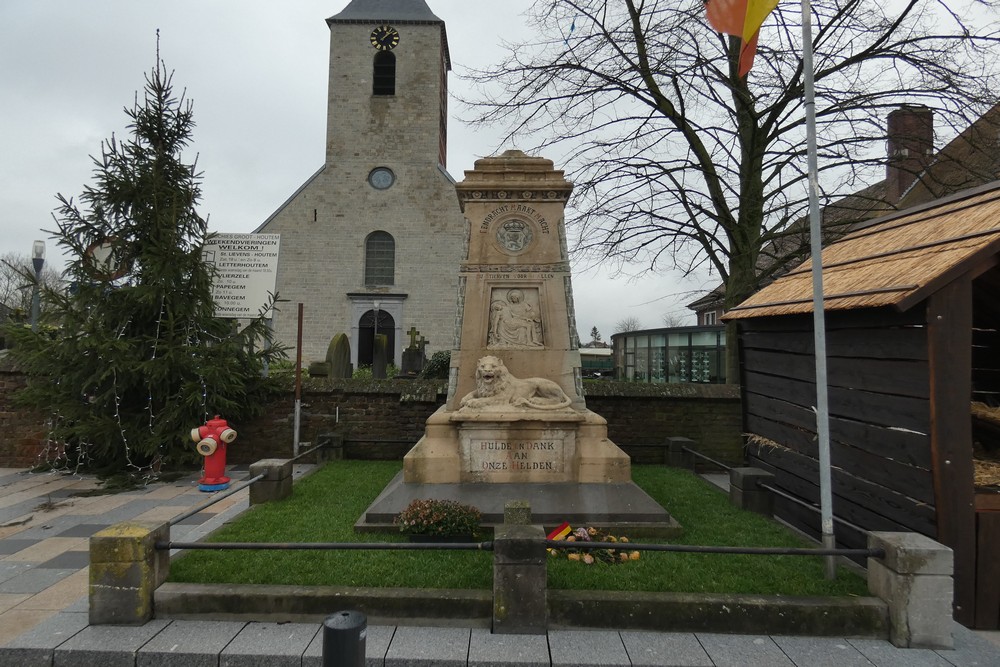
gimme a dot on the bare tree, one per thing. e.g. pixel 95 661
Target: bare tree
pixel 630 323
pixel 675 319
pixel 678 163
pixel 16 280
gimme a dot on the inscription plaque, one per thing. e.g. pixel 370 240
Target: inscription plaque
pixel 545 456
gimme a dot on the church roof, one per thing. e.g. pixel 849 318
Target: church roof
pixel 392 11
pixel 399 11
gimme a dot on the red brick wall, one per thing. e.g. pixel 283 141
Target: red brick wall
pixel 383 419
pixel 21 431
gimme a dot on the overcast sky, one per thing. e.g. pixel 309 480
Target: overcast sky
pixel 256 71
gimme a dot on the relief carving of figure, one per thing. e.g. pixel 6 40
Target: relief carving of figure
pixel 497 388
pixel 514 322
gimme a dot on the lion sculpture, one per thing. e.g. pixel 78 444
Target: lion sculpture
pixel 496 387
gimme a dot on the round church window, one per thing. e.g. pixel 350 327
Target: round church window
pixel 381 178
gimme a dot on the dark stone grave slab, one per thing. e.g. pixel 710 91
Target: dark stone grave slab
pixel 621 506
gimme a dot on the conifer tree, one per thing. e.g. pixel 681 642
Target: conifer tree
pixel 133 358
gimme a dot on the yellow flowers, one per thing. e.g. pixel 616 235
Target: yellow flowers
pixel 583 535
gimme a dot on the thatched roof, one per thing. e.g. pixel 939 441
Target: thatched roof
pixel 896 261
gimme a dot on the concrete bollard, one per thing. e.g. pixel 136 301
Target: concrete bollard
pixel 746 493
pixel 676 456
pixel 519 575
pixel 344 635
pixel 915 580
pixel 125 570
pixel 277 482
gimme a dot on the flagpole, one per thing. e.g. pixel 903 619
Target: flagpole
pixel 819 327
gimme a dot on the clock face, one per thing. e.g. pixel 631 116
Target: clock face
pixel 385 37
pixel 381 178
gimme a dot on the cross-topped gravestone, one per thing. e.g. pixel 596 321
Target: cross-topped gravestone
pixel 413 333
pixel 413 355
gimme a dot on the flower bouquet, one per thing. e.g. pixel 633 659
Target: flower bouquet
pixel 611 555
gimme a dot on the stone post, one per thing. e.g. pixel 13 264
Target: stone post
pixel 277 482
pixel 125 569
pixel 331 446
pixel 519 574
pixel 676 456
pixel 746 493
pixel 915 580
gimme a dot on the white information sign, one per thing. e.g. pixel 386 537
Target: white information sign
pixel 246 269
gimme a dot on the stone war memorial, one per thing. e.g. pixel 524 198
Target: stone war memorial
pixel 515 426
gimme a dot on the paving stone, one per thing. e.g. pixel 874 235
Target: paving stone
pixel 81 603
pixel 34 648
pixel 33 580
pixel 428 647
pixel 882 653
pixel 49 548
pixel 43 527
pixel 970 650
pixel 489 650
pixel 56 596
pixel 377 641
pixel 12 545
pixel 664 649
pixel 821 651
pixel 128 511
pixel 18 510
pixel 269 645
pixel 14 622
pixel 196 519
pixel 743 651
pixel 83 529
pixel 67 560
pixel 189 644
pixel 12 568
pixel 587 647
pixel 8 600
pixel 106 645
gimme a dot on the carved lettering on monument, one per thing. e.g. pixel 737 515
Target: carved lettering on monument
pixel 517 455
pixel 515 322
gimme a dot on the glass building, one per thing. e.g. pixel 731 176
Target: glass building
pixel 675 354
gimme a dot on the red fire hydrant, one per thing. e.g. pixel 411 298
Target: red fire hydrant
pixel 212 439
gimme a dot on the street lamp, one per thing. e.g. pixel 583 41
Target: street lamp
pixel 375 336
pixel 37 261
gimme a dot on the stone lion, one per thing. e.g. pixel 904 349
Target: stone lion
pixel 496 387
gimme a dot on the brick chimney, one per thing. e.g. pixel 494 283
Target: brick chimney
pixel 910 147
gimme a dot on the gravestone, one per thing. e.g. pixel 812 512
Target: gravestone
pixel 379 356
pixel 338 356
pixel 413 355
pixel 515 410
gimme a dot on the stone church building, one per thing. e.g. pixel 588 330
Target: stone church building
pixel 374 238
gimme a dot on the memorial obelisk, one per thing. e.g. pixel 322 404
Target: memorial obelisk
pixel 516 410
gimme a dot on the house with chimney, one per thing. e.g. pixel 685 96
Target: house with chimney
pixel 914 174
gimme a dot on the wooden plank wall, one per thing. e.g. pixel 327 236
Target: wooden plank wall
pixel 879 422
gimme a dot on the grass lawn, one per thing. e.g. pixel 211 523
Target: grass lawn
pixel 325 505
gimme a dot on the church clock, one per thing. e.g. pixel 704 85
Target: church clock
pixel 385 37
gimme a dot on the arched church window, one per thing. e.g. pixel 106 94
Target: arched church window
pixel 384 79
pixel 380 259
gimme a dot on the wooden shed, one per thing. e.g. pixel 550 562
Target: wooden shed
pixel 912 310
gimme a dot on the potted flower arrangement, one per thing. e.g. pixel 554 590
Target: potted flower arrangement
pixel 432 520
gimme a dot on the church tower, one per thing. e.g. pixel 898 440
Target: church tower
pixel 372 240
